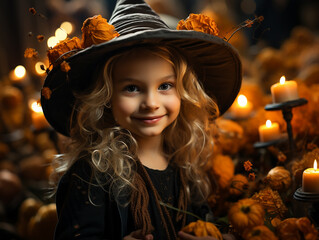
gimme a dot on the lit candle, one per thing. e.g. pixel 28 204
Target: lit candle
pixel 310 179
pixel 37 116
pixel 284 91
pixel 269 131
pixel 18 75
pixel 241 108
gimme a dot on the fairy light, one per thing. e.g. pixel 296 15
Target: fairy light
pixel 38 68
pixel 60 34
pixel 36 107
pixel 67 27
pixel 52 41
pixel 19 72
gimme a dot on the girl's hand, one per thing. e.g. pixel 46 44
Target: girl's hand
pixel 137 235
pixel 186 236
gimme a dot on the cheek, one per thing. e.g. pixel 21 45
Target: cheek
pixel 122 107
pixel 173 105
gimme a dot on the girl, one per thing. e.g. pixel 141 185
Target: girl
pixel 138 116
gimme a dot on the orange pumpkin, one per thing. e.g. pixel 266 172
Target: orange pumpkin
pixel 203 229
pixel 223 169
pixel 278 178
pixel 42 225
pixel 246 213
pixel 259 233
pixel 296 229
pixel 27 210
pixel 239 185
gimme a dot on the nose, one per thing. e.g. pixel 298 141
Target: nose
pixel 151 101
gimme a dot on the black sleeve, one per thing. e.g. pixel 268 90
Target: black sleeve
pixel 82 206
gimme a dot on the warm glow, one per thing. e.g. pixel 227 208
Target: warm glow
pixel 67 27
pixel 52 41
pixel 315 164
pixel 242 100
pixel 282 80
pixel 36 107
pixel 268 123
pixel 60 34
pixel 38 69
pixel 19 71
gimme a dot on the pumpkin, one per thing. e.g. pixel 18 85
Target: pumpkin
pixel 42 225
pixel 222 168
pixel 27 210
pixel 246 213
pixel 202 229
pixel 239 185
pixel 259 233
pixel 296 229
pixel 278 178
pixel 10 186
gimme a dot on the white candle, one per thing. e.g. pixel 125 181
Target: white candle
pixel 310 179
pixel 269 131
pixel 241 108
pixel 284 91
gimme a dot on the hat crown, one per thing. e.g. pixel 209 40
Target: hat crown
pixel 131 16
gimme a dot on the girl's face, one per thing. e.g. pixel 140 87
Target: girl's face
pixel 145 100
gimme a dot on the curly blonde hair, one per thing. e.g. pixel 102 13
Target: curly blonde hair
pixel 112 150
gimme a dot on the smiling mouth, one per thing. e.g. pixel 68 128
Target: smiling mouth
pixel 149 120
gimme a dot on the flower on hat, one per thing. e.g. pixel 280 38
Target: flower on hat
pixel 199 23
pixel 97 30
pixel 63 47
pixel 46 92
pixel 30 53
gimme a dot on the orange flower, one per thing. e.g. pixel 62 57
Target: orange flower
pixel 30 52
pixel 32 11
pixel 247 165
pixel 65 67
pixel 63 47
pixel 46 93
pixel 199 23
pixel 97 30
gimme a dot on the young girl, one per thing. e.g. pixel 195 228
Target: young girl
pixel 137 109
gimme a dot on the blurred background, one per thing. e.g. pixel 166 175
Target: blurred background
pixel 284 43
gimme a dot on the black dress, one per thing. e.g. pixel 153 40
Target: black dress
pixel 85 210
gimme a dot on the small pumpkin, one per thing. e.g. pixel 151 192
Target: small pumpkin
pixel 296 229
pixel 278 178
pixel 239 185
pixel 43 224
pixel 259 233
pixel 223 169
pixel 202 229
pixel 246 213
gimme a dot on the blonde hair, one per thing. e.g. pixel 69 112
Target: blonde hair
pixel 112 149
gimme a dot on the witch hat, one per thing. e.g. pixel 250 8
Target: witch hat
pixel 215 62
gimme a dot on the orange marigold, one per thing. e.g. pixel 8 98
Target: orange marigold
pixel 97 30
pixel 65 67
pixel 200 23
pixel 248 165
pixel 63 47
pixel 46 93
pixel 30 53
pixel 40 38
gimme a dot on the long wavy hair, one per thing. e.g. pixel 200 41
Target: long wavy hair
pixel 112 151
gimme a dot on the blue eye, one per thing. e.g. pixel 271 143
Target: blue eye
pixel 131 88
pixel 165 86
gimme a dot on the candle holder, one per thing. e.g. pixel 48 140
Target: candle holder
pixel 286 108
pixel 309 197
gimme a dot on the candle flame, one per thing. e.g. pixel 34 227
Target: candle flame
pixel 268 123
pixel 36 107
pixel 282 80
pixel 315 164
pixel 242 100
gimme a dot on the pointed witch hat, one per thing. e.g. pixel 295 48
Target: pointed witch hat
pixel 214 60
